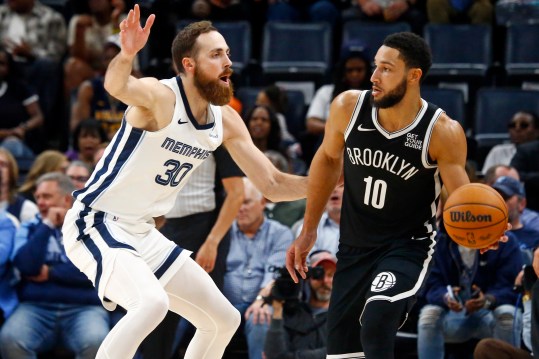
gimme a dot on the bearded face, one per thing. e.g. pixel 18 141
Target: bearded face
pixel 216 91
pixel 393 97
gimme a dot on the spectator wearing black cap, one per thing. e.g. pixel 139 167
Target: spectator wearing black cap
pixel 298 329
pixel 512 191
pixel 353 71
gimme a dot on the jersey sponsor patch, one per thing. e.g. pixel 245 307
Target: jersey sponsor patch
pixel 383 281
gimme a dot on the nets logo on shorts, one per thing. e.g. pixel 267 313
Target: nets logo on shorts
pixel 383 281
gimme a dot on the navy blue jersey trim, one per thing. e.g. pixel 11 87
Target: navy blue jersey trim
pixel 168 262
pixel 92 247
pixel 132 142
pixel 106 162
pixel 188 108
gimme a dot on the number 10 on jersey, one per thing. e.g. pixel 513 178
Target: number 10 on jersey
pixel 375 192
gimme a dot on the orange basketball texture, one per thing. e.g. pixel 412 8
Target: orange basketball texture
pixel 475 215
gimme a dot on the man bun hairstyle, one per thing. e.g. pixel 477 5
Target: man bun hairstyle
pixel 184 44
pixel 414 50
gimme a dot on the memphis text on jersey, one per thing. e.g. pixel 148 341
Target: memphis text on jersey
pixel 383 160
pixel 184 149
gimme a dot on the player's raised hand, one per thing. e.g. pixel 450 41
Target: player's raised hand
pixel 132 36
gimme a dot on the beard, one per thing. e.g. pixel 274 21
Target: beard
pixel 392 98
pixel 322 295
pixel 513 214
pixel 212 90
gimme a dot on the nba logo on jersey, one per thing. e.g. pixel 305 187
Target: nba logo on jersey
pixel 383 281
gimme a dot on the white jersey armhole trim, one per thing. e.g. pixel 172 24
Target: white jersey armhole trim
pixel 355 113
pixel 426 141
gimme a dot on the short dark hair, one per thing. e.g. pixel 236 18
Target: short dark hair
pixel 414 50
pixel 89 125
pixel 533 115
pixel 184 42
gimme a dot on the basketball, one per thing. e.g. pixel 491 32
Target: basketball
pixel 475 215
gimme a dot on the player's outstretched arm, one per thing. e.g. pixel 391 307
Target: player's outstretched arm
pixel 118 80
pixel 274 184
pixel 324 174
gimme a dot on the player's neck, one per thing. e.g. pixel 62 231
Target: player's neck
pixel 402 114
pixel 197 104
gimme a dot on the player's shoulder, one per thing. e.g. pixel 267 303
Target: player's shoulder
pixel 445 124
pixel 346 101
pixel 229 114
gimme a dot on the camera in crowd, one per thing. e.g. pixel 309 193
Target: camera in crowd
pixel 284 289
pixel 528 280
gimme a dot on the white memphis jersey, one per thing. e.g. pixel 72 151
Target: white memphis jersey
pixel 141 172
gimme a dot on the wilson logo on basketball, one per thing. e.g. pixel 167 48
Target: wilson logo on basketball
pixel 458 216
pixel 383 281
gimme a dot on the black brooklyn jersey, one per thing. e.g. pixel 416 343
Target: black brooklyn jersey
pixel 391 184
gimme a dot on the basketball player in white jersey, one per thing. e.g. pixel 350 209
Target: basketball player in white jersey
pixel 170 127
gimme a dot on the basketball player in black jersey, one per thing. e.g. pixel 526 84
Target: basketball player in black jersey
pixel 397 149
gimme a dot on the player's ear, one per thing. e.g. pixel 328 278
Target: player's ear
pixel 415 74
pixel 188 64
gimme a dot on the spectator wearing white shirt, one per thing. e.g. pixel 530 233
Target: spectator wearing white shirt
pixel 523 127
pixel 329 226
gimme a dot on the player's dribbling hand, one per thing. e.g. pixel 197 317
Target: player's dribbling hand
pixel 495 245
pixel 132 36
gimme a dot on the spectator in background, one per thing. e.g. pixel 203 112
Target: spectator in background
pixel 256 244
pixel 8 294
pixel 514 195
pixel 17 205
pixel 491 348
pixel 481 301
pixel 35 35
pixel 288 212
pixel 58 305
pixel 274 97
pixel 93 101
pixel 79 172
pixel 86 38
pixel 264 128
pixel 410 11
pixel 45 162
pixel 303 11
pixel 298 328
pixel 523 127
pixel 99 153
pixel 526 161
pixel 528 217
pixel 20 111
pixel 220 10
pixel 328 230
pixel 460 11
pixel 86 139
pixel 353 71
